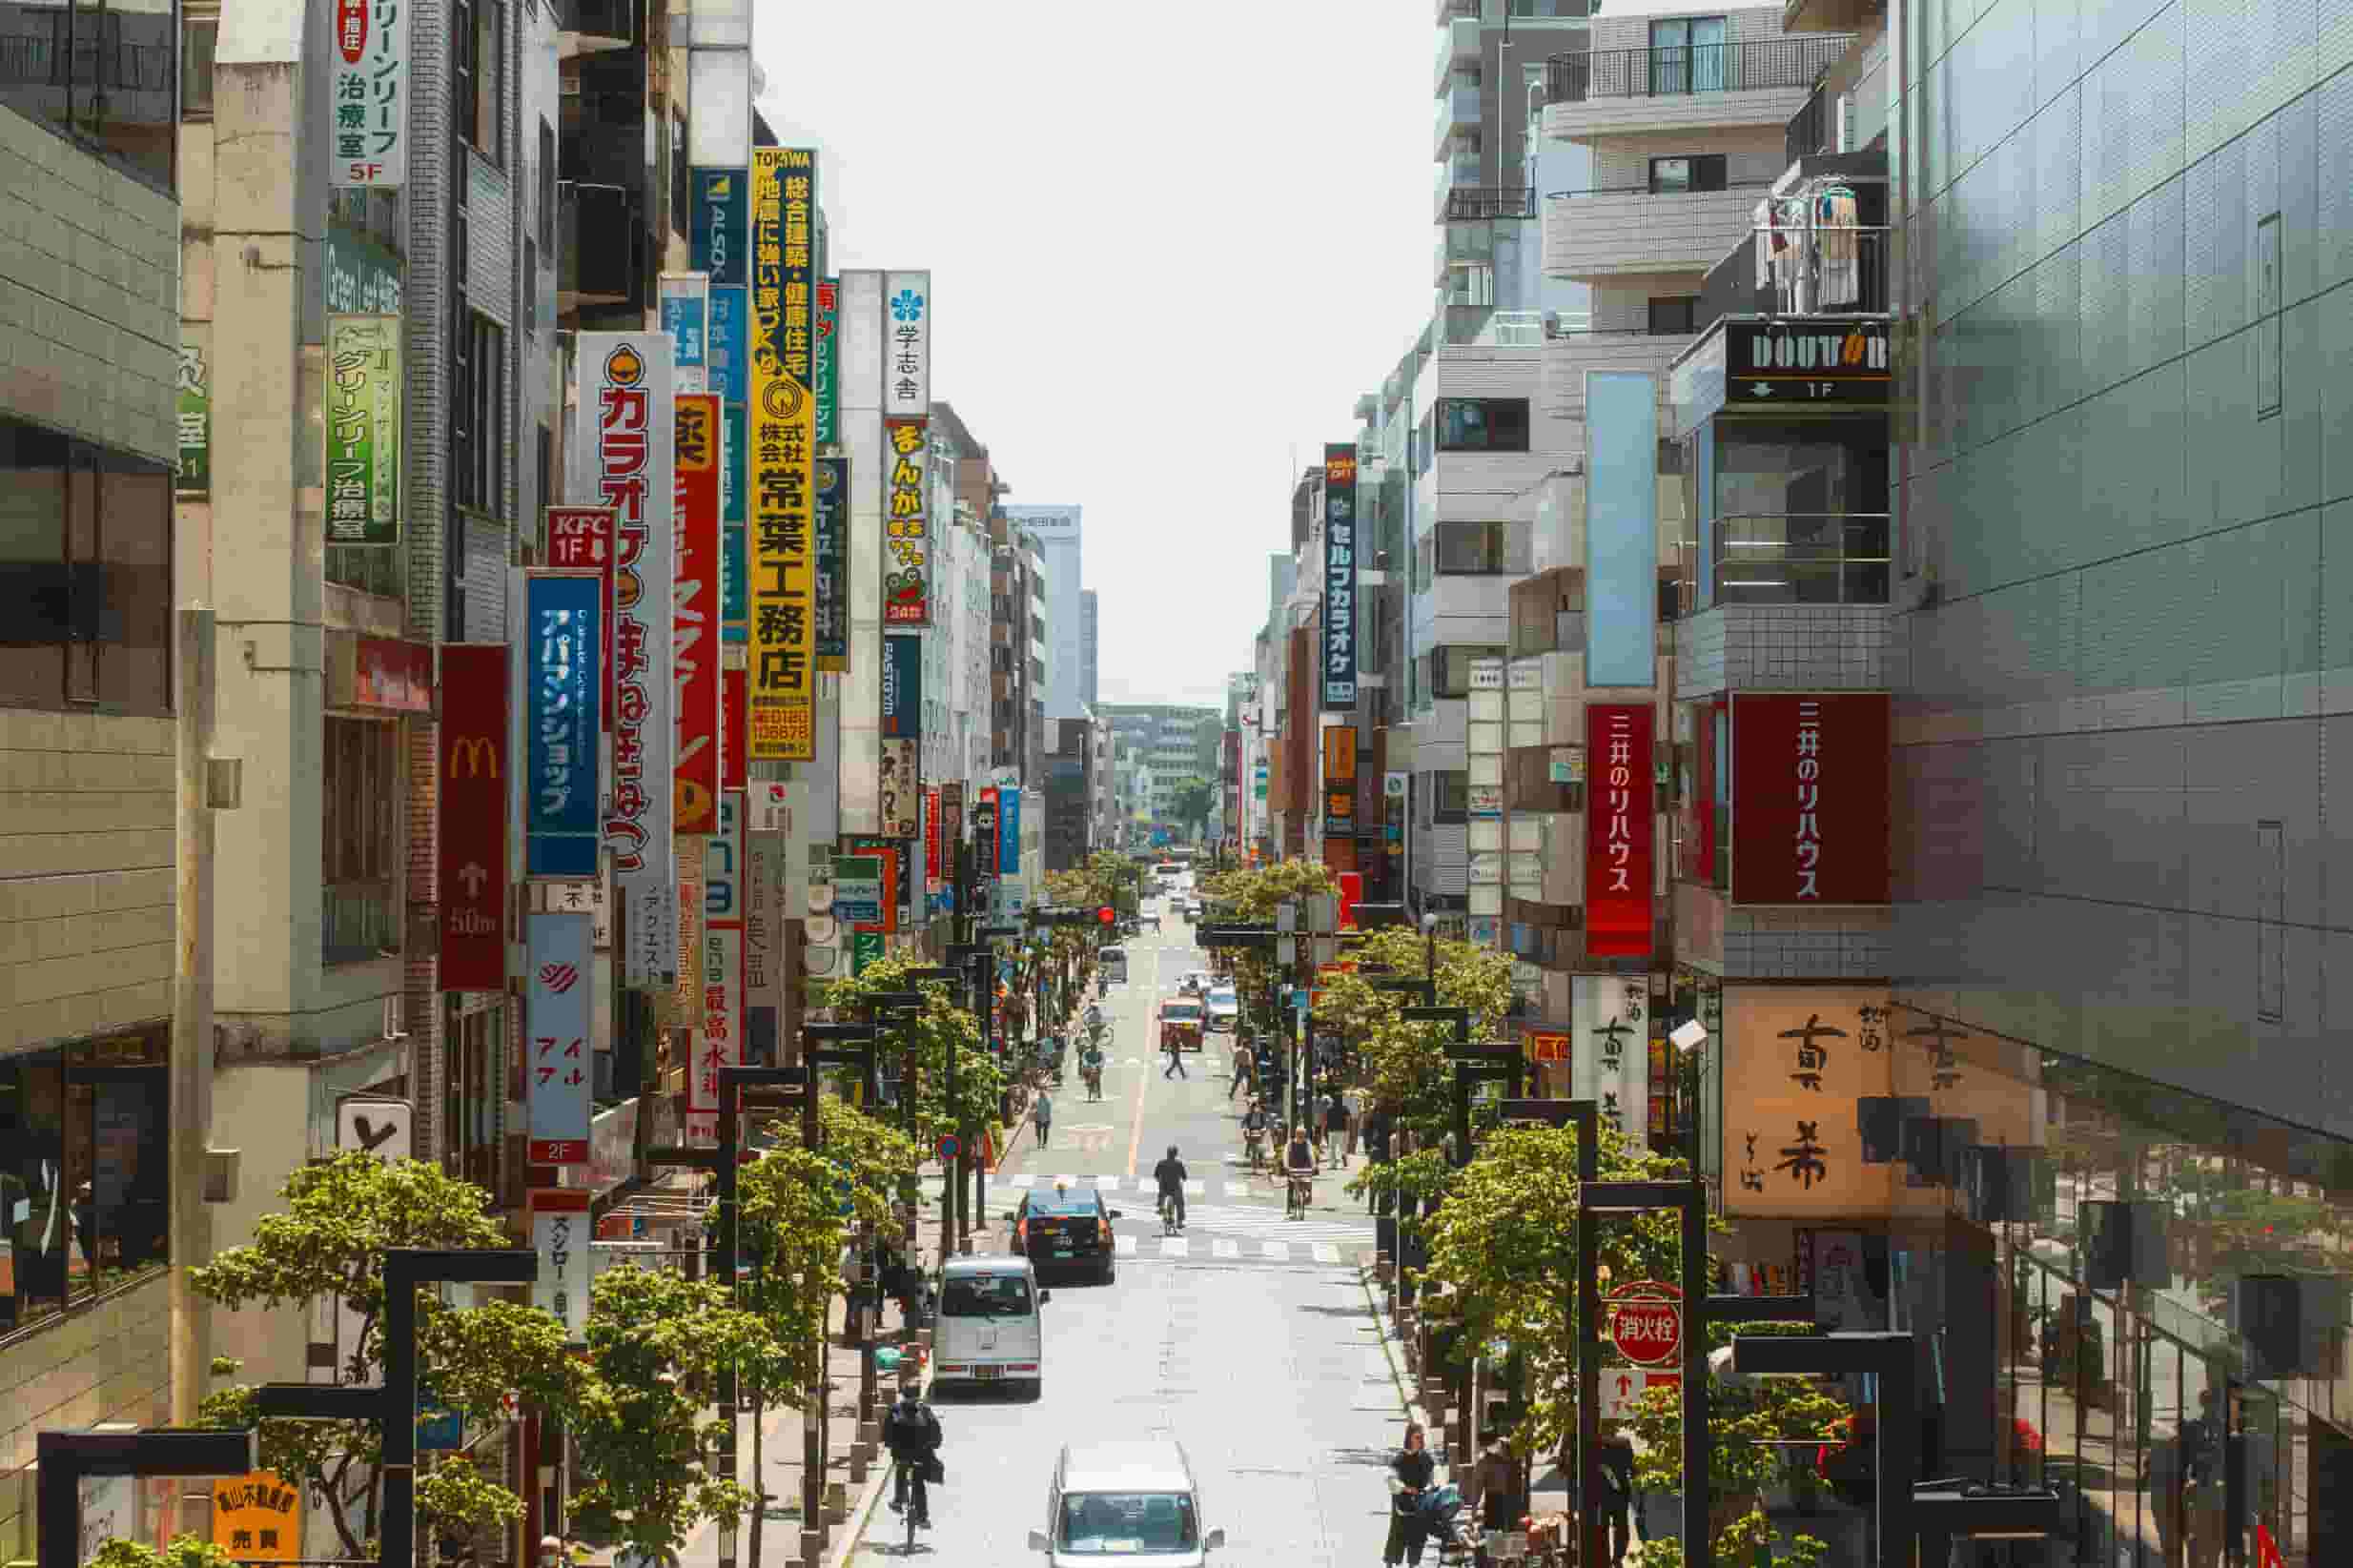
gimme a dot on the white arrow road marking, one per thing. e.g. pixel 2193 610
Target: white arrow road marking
pixel 1175 1247
pixel 1225 1248
pixel 1278 1252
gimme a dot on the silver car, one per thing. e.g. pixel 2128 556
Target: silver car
pixel 1130 1498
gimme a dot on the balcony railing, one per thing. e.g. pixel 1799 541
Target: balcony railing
pixel 1813 130
pixel 1469 203
pixel 1802 558
pixel 1754 66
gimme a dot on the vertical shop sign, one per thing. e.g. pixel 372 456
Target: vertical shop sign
pixel 833 547
pixel 686 321
pixel 695 616
pixel 829 361
pixel 193 474
pixel 556 1086
pixel 580 539
pixel 907 353
pixel 782 560
pixel 907 530
pixel 1339 577
pixel 622 445
pixel 562 688
pixel 720 1040
pixel 367 95
pixel 932 829
pixel 1009 832
pixel 716 234
pixel 363 430
pixel 1340 781
pixel 765 854
pixel 1609 1057
pixel 1810 798
pixel 895 861
pixel 731 758
pixel 560 1234
pixel 1618 829
pixel 471 802
pixel 734 594
pixel 902 720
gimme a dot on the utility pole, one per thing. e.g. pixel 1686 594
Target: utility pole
pixel 192 1016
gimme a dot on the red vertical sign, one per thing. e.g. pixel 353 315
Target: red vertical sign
pixel 694 615
pixel 472 802
pixel 931 836
pixel 581 538
pixel 731 758
pixel 1810 797
pixel 1618 829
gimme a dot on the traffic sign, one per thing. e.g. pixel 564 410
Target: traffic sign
pixel 948 1146
pixel 1623 1388
pixel 1646 1322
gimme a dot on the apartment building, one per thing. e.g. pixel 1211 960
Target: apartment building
pixel 91 450
pixel 1058 531
pixel 1017 652
pixel 1069 836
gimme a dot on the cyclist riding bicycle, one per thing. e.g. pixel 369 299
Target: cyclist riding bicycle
pixel 1170 1173
pixel 912 1432
pixel 1298 1163
pixel 1254 1130
pixel 1091 1066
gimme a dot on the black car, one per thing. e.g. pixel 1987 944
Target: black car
pixel 1067 1229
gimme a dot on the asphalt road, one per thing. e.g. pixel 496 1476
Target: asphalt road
pixel 1254 1345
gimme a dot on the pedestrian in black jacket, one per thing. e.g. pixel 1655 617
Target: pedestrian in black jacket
pixel 1412 1469
pixel 912 1432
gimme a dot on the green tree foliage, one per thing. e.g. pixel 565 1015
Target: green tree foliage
pixel 1405 1065
pixel 922 1042
pixel 1249 895
pixel 1190 803
pixel 184 1552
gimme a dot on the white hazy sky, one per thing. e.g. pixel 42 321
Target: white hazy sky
pixel 1170 245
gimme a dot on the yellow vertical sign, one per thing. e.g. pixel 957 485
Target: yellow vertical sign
pixel 780 705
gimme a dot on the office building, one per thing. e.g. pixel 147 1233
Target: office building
pixel 1090 686
pixel 1056 529
pixel 1168 747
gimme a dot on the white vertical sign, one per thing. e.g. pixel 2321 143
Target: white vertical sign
pixel 560 1234
pixel 906 345
pixel 621 458
pixel 556 1065
pixel 1610 1048
pixel 367 94
pixel 719 1040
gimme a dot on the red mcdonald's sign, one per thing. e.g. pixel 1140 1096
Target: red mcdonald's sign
pixel 471 797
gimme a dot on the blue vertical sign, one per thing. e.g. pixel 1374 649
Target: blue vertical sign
pixel 729 344
pixel 719 232
pixel 563 687
pixel 1622 528
pixel 1339 577
pixel 729 351
pixel 1009 832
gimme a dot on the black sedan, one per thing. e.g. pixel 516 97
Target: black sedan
pixel 1069 1228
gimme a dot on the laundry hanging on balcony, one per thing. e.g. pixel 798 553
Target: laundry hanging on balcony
pixel 1834 226
pixel 1808 247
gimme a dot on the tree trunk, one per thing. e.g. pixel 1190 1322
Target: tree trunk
pixel 759 1477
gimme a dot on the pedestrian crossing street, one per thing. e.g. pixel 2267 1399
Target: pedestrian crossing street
pixel 1326 1182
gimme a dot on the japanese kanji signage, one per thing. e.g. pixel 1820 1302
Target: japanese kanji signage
pixel 1646 1322
pixel 472 802
pixel 1339 577
pixel 257 1517
pixel 1609 1061
pixel 694 615
pixel 622 456
pixel 907 532
pixel 717 233
pixel 556 1058
pixel 1008 831
pixel 1340 781
pixel 561 688
pixel 782 564
pixel 1810 792
pixel 832 544
pixel 932 836
pixel 766 907
pixel 1618 829
pixel 560 1234
pixel 367 94
pixel 829 361
pixel 363 430
pixel 901 788
pixel 719 1042
pixel 687 319
pixel 580 539
pixel 193 474
pixel 906 345
pixel 896 865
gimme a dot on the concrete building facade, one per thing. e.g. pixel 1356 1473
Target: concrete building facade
pixel 1058 532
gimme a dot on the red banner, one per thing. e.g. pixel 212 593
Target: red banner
pixel 472 802
pixel 931 836
pixel 731 755
pixel 694 615
pixel 1810 798
pixel 581 538
pixel 1618 829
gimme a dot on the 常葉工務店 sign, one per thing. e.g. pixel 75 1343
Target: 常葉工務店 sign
pixel 1810 797
pixel 781 659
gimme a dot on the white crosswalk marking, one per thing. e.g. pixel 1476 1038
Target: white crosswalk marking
pixel 1175 1247
pixel 1107 1184
pixel 1196 1190
pixel 1225 1248
pixel 1127 1246
pixel 1025 1179
pixel 1325 1253
pixel 1066 1181
pixel 1278 1252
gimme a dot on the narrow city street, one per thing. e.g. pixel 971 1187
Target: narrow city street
pixel 1250 1339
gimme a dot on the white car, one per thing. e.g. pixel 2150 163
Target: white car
pixel 1225 1010
pixel 1193 983
pixel 1132 1498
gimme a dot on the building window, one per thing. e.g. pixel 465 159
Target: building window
pixel 85 1174
pixel 1482 425
pixel 360 840
pixel 1681 176
pixel 1446 670
pixel 1479 549
pixel 85 554
pixel 1450 797
pixel 680 177
pixel 1689 54
pixel 478 414
pixel 1673 315
pixel 530 285
pixel 197 36
pixel 477 70
pixel 102 76
pixel 549 168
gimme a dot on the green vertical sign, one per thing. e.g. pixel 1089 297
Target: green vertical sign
pixel 865 947
pixel 829 360
pixel 363 430
pixel 194 473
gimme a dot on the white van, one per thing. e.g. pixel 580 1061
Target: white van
pixel 1136 1498
pixel 987 1329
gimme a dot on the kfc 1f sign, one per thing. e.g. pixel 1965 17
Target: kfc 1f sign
pixel 1810 793
pixel 1618 829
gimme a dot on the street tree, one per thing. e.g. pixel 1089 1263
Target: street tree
pixel 922 1043
pixel 1403 1065
pixel 1190 803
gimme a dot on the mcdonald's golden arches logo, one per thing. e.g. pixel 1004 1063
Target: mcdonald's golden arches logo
pixel 473 756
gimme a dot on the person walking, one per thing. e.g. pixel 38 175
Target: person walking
pixel 1175 1067
pixel 1041 1115
pixel 1336 1126
pixel 1241 1067
pixel 1494 1489
pixel 1411 1470
pixel 1617 1456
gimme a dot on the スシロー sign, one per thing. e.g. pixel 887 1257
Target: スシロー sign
pixel 1646 1322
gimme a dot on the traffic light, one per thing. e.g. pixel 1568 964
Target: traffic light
pixel 1105 915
